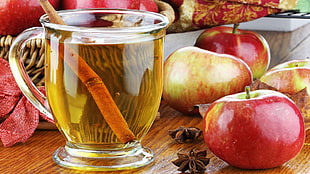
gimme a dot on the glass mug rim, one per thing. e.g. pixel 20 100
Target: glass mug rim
pixel 161 24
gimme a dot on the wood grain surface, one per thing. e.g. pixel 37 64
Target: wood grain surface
pixel 35 156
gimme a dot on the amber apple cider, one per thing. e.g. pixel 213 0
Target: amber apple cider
pixel 131 69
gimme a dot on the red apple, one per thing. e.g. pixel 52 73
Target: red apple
pixel 247 45
pixel 289 77
pixel 18 15
pixel 148 5
pixel 260 132
pixel 196 76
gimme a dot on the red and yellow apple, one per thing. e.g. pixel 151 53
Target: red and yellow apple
pixel 249 46
pixel 260 130
pixel 18 15
pixel 289 77
pixel 196 76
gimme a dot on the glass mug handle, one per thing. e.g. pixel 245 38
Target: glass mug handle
pixel 19 72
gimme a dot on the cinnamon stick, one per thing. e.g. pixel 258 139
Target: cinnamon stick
pixel 51 12
pixel 94 84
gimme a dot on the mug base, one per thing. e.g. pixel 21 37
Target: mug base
pixel 92 160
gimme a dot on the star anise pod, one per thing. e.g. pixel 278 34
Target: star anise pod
pixel 183 134
pixel 195 162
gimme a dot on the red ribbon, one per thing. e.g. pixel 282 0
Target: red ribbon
pixel 20 117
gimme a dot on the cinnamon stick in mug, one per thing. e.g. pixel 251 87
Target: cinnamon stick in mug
pixel 94 84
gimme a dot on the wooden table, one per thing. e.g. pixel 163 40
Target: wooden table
pixel 34 156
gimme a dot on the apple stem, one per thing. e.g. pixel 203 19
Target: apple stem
pixel 235 28
pixel 247 92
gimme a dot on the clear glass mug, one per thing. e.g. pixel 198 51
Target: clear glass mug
pixel 103 80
